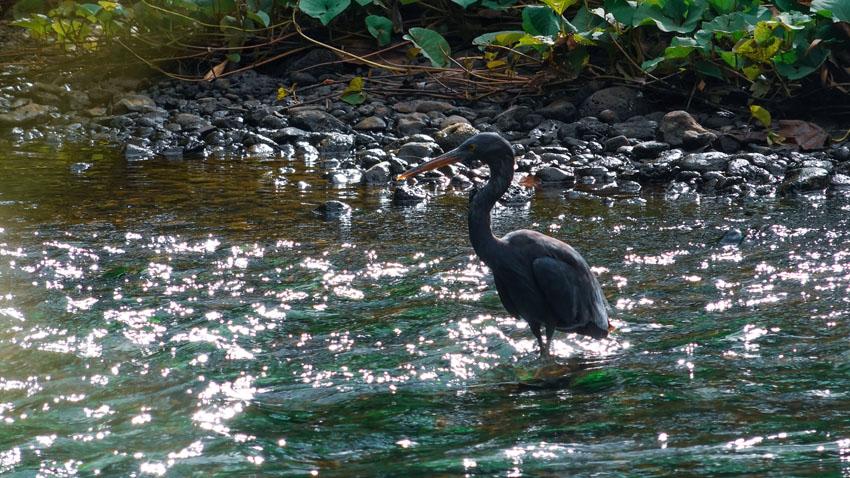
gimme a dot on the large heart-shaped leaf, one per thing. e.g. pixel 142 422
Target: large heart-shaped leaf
pixel 432 45
pixel 380 27
pixel 839 9
pixel 540 20
pixel 324 10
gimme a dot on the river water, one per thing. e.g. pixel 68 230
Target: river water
pixel 196 318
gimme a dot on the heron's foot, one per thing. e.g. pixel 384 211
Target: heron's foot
pixel 611 328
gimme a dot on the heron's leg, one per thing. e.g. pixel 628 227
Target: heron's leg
pixel 535 329
pixel 550 331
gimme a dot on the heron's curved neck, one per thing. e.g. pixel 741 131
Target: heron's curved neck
pixel 480 232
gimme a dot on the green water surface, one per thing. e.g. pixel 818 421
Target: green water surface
pixel 196 318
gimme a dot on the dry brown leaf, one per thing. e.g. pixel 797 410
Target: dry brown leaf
pixel 807 135
pixel 216 71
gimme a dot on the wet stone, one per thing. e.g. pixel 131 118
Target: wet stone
pixel 510 118
pixel 26 114
pixel 377 174
pixel 615 143
pixel 452 136
pixel 804 180
pixel 132 103
pixel 333 210
pixel 649 149
pixel 371 123
pixel 515 196
pixel 636 128
pixel 134 152
pixel 370 157
pixel 679 128
pixel 546 131
pixel 404 195
pixel 429 106
pixel 702 162
pixel 560 109
pixel 732 237
pixel 550 176
pixel 625 102
pixel 335 145
pixel 416 150
pixel 840 181
pixel 315 120
pixel 412 123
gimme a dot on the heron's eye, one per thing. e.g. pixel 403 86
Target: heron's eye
pixel 472 147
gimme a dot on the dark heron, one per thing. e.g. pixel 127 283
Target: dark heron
pixel 539 278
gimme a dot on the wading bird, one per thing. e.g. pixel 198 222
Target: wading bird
pixel 540 279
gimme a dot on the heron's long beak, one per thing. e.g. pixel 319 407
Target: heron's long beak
pixel 444 159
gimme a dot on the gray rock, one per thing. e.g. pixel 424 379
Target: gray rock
pixel 346 176
pixel 333 210
pixel 649 149
pixel 840 181
pixel 260 150
pixel 636 128
pixel 428 106
pixel 371 123
pixel 510 119
pixel 615 143
pixel 132 103
pixel 804 180
pixel 555 176
pixel 335 145
pixel 26 114
pixel 703 162
pixel 452 136
pixel 134 152
pixel 412 123
pixel 732 237
pixel 591 127
pixel 79 168
pixel 405 195
pixel 290 135
pixel 443 123
pixel 560 109
pixel 546 132
pixel 370 157
pixel 377 174
pixel 661 169
pixel 273 122
pixel 188 121
pixel 315 120
pixel 415 151
pixel 625 102
pixel 679 128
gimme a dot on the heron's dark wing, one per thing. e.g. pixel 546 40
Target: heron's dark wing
pixel 573 293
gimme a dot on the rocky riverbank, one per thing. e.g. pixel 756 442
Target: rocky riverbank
pixel 609 141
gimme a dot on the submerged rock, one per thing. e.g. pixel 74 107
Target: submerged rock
pixel 333 210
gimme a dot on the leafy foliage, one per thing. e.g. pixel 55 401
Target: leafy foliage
pixel 768 45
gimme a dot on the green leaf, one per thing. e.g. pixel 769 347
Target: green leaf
pixel 432 44
pixel 260 17
pixel 505 38
pixel 234 57
pixel 723 6
pixel 91 8
pixel 763 33
pixel 680 47
pixel 559 5
pixel 621 10
pixel 497 4
pixel 761 114
pixel 381 28
pixel 839 9
pixel 323 10
pixel 540 20
pixel 796 64
pixel 464 3
pixel 354 95
pixel 709 69
pixel 650 65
